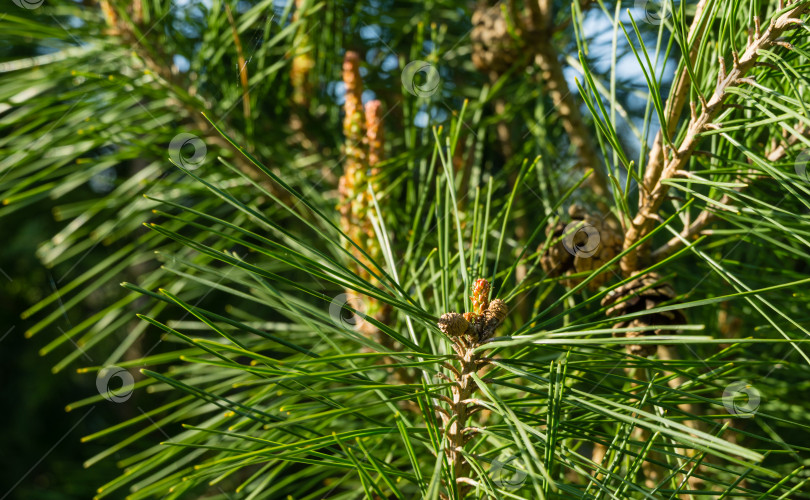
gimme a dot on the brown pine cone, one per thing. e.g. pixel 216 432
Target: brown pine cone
pixel 586 245
pixel 497 309
pixel 493 317
pixel 453 324
pixel 639 295
pixel 610 245
pixel 494 49
pixel 556 261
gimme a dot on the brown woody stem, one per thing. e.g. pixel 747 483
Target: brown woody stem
pixel 665 161
pixel 548 60
pixel 160 65
pixel 460 407
pixel 706 216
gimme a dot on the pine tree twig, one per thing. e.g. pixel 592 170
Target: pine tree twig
pixel 445 399
pixel 468 331
pixel 441 410
pixel 673 109
pixel 706 216
pixel 467 481
pixel 548 60
pixel 451 368
pixel 530 38
pixel 474 401
pixel 472 410
pixel 164 70
pixel 660 168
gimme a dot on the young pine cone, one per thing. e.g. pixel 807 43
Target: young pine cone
pixel 494 316
pixel 480 296
pixel 639 295
pixel 453 324
pixel 584 244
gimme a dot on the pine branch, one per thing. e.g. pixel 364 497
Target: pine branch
pixel 675 104
pixel 707 215
pixel 161 66
pixel 500 48
pixel 653 193
pixel 467 332
pixel 548 60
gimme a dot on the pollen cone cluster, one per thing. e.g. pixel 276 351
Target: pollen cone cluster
pixel 586 247
pixel 639 295
pixel 303 61
pixel 363 151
